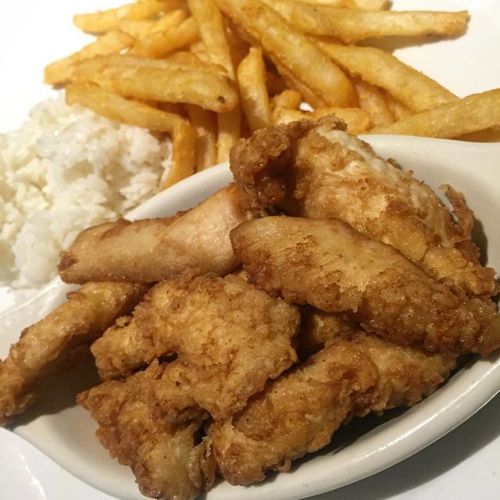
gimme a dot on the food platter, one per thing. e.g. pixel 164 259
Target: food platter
pixel 372 449
pixel 380 447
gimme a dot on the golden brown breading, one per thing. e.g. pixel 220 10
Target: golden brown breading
pixel 163 455
pixel 317 170
pixel 148 251
pixel 44 347
pixel 326 264
pixel 295 415
pixel 229 337
pixel 406 374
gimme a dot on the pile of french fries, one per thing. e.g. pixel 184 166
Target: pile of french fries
pixel 208 72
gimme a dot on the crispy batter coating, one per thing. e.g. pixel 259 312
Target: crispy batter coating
pixel 45 347
pixel 148 251
pixel 295 415
pixel 406 374
pixel 354 374
pixel 229 337
pixel 317 170
pixel 326 264
pixel 163 455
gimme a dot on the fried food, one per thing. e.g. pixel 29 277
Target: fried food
pixel 317 170
pixel 150 250
pixel 45 347
pixel 329 265
pixel 297 414
pixel 163 455
pixel 228 336
pixel 474 113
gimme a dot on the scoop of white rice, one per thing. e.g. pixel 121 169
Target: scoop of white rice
pixel 65 169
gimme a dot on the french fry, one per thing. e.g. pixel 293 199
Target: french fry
pixel 60 71
pixel 212 32
pixel 350 4
pixel 397 108
pixel 123 110
pixel 238 47
pixel 412 88
pixel 292 50
pixel 160 80
pixel 100 22
pixel 354 25
pixel 372 100
pixel 228 132
pixel 205 125
pixel 136 27
pixel 356 119
pixel 168 21
pixel 160 43
pixel 289 98
pixel 189 59
pixel 199 50
pixel 251 77
pixel 470 114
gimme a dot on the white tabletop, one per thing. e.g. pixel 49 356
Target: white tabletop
pixel 464 464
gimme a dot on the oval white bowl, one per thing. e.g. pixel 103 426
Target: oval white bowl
pixel 65 432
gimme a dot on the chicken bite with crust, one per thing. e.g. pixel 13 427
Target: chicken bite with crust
pixel 317 170
pixel 329 265
pixel 229 337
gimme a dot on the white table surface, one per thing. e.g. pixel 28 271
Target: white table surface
pixel 463 465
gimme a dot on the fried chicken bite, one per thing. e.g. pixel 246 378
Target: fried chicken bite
pixel 317 170
pixel 352 375
pixel 229 337
pixel 329 265
pixel 148 251
pixel 296 414
pixel 164 455
pixel 44 348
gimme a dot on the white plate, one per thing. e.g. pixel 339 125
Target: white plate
pixel 65 432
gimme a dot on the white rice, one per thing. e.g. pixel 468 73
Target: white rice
pixel 65 169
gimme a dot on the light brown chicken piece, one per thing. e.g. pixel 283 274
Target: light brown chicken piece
pixel 326 264
pixel 354 374
pixel 45 347
pixel 164 455
pixel 296 414
pixel 148 251
pixel 229 337
pixel 316 170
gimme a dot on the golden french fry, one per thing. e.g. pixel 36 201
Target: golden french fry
pixel 189 59
pixel 397 108
pixel 350 4
pixel 161 80
pixel 114 41
pixel 228 132
pixel 251 77
pixel 470 114
pixel 356 119
pixel 123 110
pixel 136 27
pixel 159 43
pixel 289 98
pixel 238 47
pixel 292 50
pixel 205 125
pixel 100 22
pixel 372 100
pixel 382 69
pixel 212 32
pixel 168 21
pixel 199 50
pixel 354 25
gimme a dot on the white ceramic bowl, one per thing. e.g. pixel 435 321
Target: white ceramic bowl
pixel 65 432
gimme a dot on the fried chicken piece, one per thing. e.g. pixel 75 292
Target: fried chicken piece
pixel 316 170
pixel 296 414
pixel 229 336
pixel 44 348
pixel 163 455
pixel 327 264
pixel 406 374
pixel 148 251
